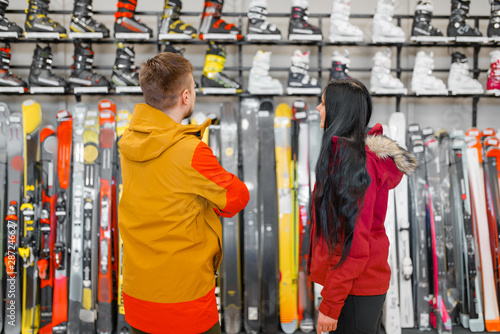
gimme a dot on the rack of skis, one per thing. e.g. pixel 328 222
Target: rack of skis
pixel 60 239
pixel 445 218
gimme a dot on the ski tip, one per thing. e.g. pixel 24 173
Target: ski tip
pixel 283 110
pixel 289 327
pixel 32 116
pixel 106 104
pixel 492 325
pixel 46 132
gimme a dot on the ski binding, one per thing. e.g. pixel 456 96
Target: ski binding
pixel 419 92
pixel 9 34
pixel 459 91
pixel 390 91
pixel 384 39
pixel 471 39
pixel 218 91
pixel 85 35
pixel 86 90
pixel 168 37
pixel 42 35
pixel 345 39
pixel 132 35
pixel 431 39
pixel 47 90
pixel 266 92
pixel 7 89
pixel 128 89
pixel 304 37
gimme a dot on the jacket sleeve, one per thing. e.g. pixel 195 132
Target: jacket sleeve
pixel 339 281
pixel 224 190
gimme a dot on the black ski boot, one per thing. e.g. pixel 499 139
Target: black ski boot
pixel 212 76
pixel 458 27
pixel 494 26
pixel 41 73
pixel 7 79
pixel 340 66
pixel 422 24
pixel 126 22
pixel 171 26
pixel 82 21
pixel 81 70
pixel 125 73
pixel 258 25
pixel 5 25
pixel 37 20
pixel 300 29
pixel 213 27
pixel 299 81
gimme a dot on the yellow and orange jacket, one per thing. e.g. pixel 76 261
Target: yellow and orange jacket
pixel 174 190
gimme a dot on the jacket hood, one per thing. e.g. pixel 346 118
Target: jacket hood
pixel 152 132
pixel 384 147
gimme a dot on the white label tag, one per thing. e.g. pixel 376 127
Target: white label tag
pixel 253 313
pixel 300 115
pixel 15 119
pixel 413 128
pixel 89 123
pixel 299 104
pixel 105 115
pixel 62 114
pixel 28 102
pixel 418 149
pixel 105 105
pixel 263 113
pixel 92 113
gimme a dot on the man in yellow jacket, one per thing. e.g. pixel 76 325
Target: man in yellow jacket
pixel 173 193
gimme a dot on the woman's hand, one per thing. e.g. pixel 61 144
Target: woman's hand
pixel 325 324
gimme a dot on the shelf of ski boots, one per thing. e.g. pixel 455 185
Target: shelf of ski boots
pixel 128 26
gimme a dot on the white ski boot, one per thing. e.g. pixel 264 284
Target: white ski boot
pixel 259 28
pixel 459 81
pixel 423 82
pixel 341 30
pixel 381 80
pixel 299 81
pixel 260 82
pixel 383 29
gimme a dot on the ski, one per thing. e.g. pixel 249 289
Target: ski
pixel 107 138
pixel 268 204
pixel 397 125
pixel 250 158
pixel 122 122
pixel 391 314
pixel 315 136
pixel 15 170
pixel 32 118
pixel 90 215
pixel 76 261
pixel 288 270
pixel 471 312
pixel 416 184
pixel 305 290
pixel 4 123
pixel 231 267
pixel 45 264
pixel 64 140
pixel 476 180
pixel 440 318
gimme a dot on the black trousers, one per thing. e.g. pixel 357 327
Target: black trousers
pixel 214 330
pixel 360 315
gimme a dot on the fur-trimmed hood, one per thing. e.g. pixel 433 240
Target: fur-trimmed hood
pixel 384 147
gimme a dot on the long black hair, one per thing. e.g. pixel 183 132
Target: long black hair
pixel 341 175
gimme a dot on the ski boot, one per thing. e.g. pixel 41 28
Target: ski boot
pixel 259 27
pixel 171 27
pixel 213 27
pixel 81 71
pixel 381 80
pixel 42 75
pixel 299 29
pixel 125 76
pixel 299 81
pixel 494 25
pixel 127 26
pixel 7 79
pixel 83 25
pixel 7 28
pixel 341 30
pixel 383 30
pixel 422 30
pixel 259 81
pixel 422 81
pixel 493 84
pixel 213 80
pixel 458 27
pixel 459 81
pixel 38 24
pixel 340 66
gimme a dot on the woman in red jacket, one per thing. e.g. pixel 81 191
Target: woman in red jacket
pixel 355 171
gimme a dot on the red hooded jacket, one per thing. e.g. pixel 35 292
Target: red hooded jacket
pixel 365 272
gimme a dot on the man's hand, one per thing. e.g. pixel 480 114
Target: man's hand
pixel 325 324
